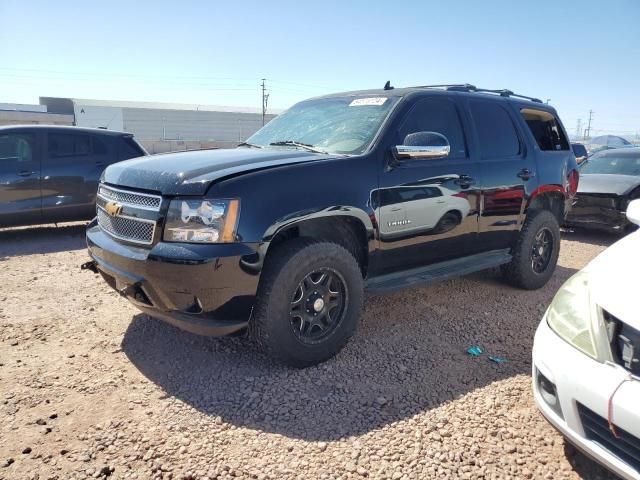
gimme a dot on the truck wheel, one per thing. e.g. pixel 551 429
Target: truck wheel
pixel 309 302
pixel 536 252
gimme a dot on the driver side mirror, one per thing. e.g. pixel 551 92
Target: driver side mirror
pixel 423 145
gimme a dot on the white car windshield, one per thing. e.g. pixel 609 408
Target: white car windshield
pixel 344 125
pixel 623 164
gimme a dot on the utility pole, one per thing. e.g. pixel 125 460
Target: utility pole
pixel 587 132
pixel 265 100
pixel 579 128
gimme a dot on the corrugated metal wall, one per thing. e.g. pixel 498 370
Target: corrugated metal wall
pixel 151 124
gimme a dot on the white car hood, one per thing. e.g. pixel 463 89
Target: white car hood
pixel 614 278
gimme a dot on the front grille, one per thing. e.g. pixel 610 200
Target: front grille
pixel 135 199
pixel 127 228
pixel 624 341
pixel 596 429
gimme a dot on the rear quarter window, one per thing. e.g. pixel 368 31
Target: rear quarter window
pixel 545 128
pixel 129 148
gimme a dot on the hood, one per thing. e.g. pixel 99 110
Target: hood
pixel 613 277
pixel 191 173
pixel 607 183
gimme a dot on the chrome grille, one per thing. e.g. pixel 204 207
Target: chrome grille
pixel 127 228
pixel 125 197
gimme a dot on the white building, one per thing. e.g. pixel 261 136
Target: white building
pixel 23 114
pixel 162 127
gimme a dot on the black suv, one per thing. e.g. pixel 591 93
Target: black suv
pixel 50 173
pixel 370 190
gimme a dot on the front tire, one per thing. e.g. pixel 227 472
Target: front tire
pixel 535 254
pixel 309 302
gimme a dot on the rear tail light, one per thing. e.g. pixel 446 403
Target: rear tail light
pixel 573 179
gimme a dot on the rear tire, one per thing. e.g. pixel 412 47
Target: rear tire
pixel 309 302
pixel 536 251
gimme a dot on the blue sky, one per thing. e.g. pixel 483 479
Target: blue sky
pixel 581 54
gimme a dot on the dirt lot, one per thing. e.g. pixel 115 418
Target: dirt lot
pixel 91 388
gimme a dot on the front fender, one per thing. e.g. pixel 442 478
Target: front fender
pixel 294 218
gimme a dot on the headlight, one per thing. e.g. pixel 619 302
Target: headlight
pixel 202 221
pixel 569 314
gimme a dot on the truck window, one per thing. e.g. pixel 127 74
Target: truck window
pixel 16 147
pixel 496 132
pixel 129 148
pixel 545 129
pixel 435 115
pixel 68 145
pixel 98 146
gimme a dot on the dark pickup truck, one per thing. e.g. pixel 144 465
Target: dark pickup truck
pixel 370 190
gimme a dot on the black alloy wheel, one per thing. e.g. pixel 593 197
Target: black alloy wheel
pixel 541 250
pixel 318 305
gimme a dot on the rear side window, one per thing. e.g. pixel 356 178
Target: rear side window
pixel 436 115
pixel 99 146
pixel 545 129
pixel 16 147
pixel 130 148
pixel 68 145
pixel 496 132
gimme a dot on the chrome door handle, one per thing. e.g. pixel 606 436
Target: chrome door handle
pixel 526 174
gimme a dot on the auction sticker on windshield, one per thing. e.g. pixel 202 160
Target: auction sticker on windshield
pixel 377 101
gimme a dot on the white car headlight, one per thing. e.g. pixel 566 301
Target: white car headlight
pixel 202 221
pixel 569 314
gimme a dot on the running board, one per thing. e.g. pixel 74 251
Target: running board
pixel 437 271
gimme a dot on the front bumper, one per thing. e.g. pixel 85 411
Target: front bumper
pixel 204 289
pixel 598 218
pixel 578 379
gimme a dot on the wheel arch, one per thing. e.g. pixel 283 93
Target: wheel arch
pixel 549 197
pixel 347 226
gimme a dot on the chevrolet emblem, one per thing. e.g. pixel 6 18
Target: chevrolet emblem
pixel 113 209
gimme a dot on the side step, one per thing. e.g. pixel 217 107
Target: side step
pixel 437 271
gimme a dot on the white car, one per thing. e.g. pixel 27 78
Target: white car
pixel 586 357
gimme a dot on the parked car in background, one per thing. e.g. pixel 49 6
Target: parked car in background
pixel 580 151
pixel 586 357
pixel 609 180
pixel 377 189
pixel 50 173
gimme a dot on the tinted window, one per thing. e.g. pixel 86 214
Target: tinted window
pixel 130 149
pixel 98 146
pixel 435 115
pixel 68 145
pixel 17 147
pixel 496 133
pixel 545 129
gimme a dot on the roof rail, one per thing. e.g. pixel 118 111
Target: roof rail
pixel 467 87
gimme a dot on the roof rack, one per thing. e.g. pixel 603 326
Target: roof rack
pixel 467 87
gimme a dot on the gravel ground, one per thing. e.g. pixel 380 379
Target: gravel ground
pixel 92 388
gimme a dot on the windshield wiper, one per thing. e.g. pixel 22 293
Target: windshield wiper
pixel 247 144
pixel 293 143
